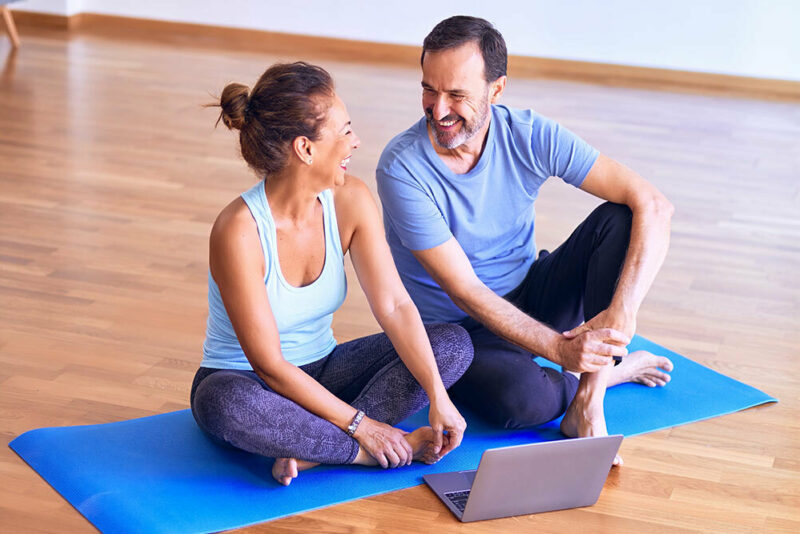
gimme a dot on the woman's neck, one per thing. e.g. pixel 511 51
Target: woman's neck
pixel 290 197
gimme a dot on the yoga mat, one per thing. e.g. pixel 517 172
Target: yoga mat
pixel 162 474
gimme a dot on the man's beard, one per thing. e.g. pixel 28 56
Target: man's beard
pixel 465 133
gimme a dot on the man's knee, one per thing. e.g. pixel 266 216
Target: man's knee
pixel 523 411
pixel 617 217
pixel 530 402
pixel 452 349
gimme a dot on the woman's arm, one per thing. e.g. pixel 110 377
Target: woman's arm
pixel 392 306
pixel 237 265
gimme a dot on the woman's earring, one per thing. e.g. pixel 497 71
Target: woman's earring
pixel 310 161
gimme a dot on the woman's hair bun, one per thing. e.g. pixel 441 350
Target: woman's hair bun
pixel 233 102
pixel 288 101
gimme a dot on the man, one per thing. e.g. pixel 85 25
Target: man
pixel 458 191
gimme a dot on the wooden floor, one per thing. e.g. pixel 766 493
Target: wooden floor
pixel 111 174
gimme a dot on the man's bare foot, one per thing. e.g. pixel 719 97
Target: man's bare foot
pixel 641 367
pixel 284 470
pixel 585 419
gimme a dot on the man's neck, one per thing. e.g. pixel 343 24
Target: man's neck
pixel 464 157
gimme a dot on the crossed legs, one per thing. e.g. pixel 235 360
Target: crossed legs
pixel 562 289
pixel 238 408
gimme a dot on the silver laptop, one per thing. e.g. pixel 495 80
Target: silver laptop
pixel 527 479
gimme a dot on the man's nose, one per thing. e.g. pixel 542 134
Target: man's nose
pixel 440 108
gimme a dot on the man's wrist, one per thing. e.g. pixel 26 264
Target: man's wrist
pixel 554 345
pixel 622 311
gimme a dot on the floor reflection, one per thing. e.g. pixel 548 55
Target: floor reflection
pixel 9 65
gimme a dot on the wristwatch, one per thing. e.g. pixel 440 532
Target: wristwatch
pixel 354 423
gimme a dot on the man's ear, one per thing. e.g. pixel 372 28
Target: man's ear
pixel 303 148
pixel 496 89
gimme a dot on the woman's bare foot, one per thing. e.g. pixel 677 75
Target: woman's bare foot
pixel 422 446
pixel 422 443
pixel 641 367
pixel 284 470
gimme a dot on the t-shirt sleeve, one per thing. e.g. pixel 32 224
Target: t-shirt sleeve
pixel 560 152
pixel 411 211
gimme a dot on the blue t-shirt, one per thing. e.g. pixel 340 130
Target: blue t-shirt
pixel 489 210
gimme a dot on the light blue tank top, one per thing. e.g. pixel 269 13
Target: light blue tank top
pixel 303 314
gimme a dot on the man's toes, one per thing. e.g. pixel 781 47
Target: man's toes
pixel 665 364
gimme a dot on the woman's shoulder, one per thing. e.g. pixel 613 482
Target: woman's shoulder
pixel 352 199
pixel 233 225
pixel 355 206
pixel 353 193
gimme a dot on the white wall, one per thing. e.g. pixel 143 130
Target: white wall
pixel 742 37
pixel 52 7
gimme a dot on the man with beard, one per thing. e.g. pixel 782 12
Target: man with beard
pixel 458 191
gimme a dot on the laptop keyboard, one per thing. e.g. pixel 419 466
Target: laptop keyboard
pixel 458 498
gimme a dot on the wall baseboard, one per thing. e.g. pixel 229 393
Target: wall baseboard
pixel 219 37
pixel 45 20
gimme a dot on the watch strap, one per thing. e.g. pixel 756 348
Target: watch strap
pixel 354 423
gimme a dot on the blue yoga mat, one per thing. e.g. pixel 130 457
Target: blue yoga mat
pixel 162 474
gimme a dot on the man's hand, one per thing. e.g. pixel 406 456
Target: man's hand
pixel 624 323
pixel 583 350
pixel 444 417
pixel 384 443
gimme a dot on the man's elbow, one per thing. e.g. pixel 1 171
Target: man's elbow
pixel 664 208
pixel 656 206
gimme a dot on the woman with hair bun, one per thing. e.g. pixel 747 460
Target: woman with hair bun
pixel 273 380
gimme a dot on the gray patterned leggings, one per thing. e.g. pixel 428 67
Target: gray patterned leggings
pixel 238 408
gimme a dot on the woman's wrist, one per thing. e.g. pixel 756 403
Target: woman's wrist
pixel 437 393
pixel 355 423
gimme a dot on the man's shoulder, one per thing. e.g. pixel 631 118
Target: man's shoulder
pixel 518 121
pixel 405 149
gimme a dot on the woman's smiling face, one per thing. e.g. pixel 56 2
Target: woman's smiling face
pixel 337 142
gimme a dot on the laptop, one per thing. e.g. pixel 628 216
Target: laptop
pixel 527 479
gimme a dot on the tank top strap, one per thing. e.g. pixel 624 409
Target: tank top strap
pixel 333 242
pixel 256 201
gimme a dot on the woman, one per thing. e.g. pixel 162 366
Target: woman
pixel 273 380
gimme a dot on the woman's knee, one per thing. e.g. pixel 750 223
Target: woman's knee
pixel 220 400
pixel 452 349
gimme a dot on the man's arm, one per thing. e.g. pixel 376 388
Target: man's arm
pixel 649 241
pixel 578 350
pixel 450 268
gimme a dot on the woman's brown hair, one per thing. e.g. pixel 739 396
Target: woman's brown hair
pixel 290 100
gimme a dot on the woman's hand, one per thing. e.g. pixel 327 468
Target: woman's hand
pixel 444 417
pixel 384 443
